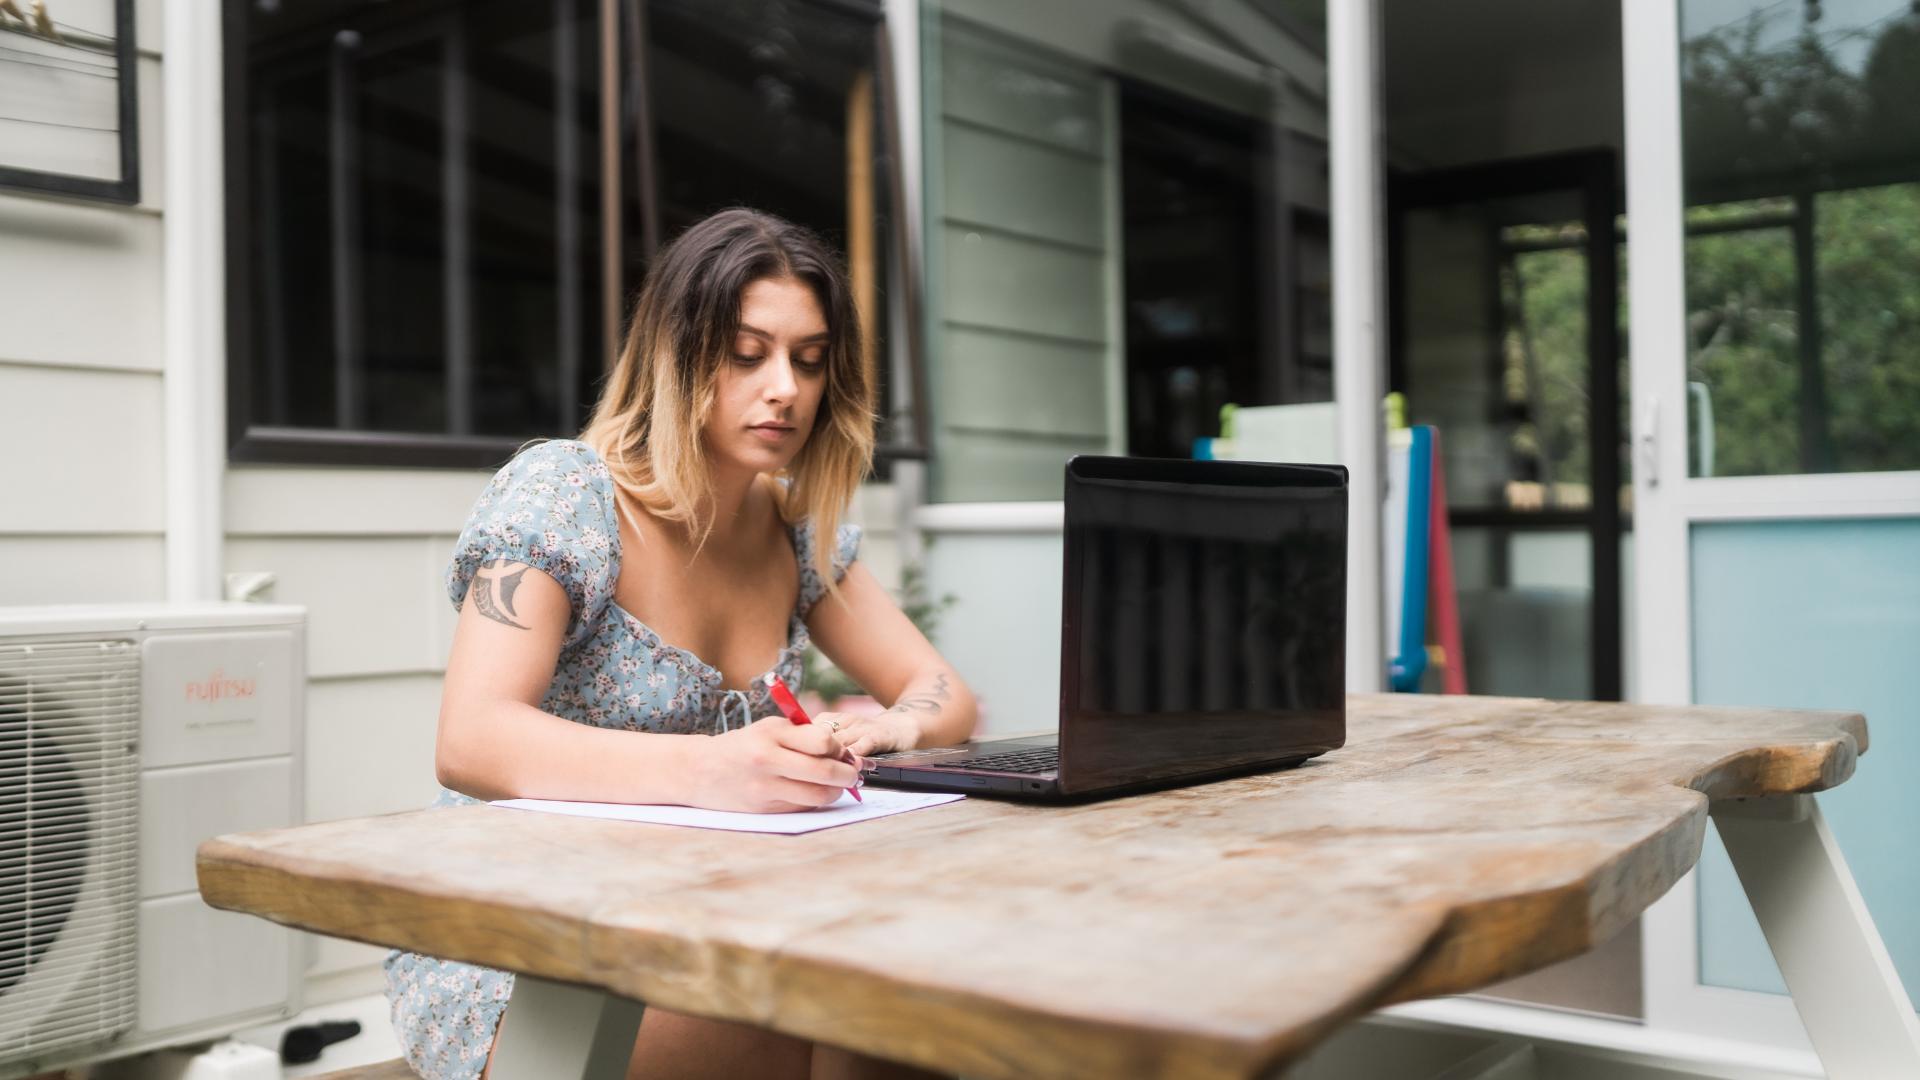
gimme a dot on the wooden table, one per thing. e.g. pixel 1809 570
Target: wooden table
pixel 1211 931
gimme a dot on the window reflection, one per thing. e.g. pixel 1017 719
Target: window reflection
pixel 1802 159
pixel 1126 229
pixel 753 101
pixel 772 104
pixel 419 181
pixel 419 246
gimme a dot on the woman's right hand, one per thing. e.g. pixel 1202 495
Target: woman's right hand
pixel 772 766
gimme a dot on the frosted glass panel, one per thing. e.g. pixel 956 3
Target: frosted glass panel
pixel 1526 601
pixel 1818 615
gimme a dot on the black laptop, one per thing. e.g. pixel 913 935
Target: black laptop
pixel 1203 634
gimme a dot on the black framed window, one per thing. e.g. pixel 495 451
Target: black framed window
pixel 71 124
pixel 425 266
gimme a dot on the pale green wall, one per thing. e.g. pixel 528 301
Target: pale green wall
pixel 1022 265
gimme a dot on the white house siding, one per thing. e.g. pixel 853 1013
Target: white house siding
pixel 80 405
pixel 1021 261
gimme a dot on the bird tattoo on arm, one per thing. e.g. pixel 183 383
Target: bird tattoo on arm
pixel 483 595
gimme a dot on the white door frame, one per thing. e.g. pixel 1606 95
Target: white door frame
pixel 1667 503
pixel 1359 318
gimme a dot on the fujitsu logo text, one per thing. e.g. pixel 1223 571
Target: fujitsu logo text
pixel 217 687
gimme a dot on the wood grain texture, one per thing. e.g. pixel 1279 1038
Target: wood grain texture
pixel 1212 931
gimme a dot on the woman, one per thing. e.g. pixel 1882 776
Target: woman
pixel 624 598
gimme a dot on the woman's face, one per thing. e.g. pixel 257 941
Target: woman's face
pixel 771 381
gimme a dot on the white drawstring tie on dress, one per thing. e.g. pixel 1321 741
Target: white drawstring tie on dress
pixel 738 699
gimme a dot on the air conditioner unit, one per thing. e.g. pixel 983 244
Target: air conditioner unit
pixel 128 734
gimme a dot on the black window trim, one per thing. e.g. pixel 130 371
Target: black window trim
pixel 126 188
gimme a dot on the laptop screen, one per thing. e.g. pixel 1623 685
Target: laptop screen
pixel 1205 608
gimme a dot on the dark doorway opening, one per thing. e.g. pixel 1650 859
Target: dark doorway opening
pixel 1223 272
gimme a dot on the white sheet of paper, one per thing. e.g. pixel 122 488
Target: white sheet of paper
pixel 880 803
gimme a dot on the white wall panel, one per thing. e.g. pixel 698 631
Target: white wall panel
pixel 369 601
pixel 441 616
pixel 264 500
pixel 82 449
pixel 1004 635
pixel 370 745
pixel 83 285
pixel 149 33
pixel 333 956
pixel 83 569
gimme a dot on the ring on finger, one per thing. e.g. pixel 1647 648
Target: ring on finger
pixel 832 724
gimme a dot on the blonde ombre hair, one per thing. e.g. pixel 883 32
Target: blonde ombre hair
pixel 647 424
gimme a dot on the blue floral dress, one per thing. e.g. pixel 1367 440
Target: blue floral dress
pixel 552 507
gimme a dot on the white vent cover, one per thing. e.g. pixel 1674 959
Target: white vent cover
pixel 69 795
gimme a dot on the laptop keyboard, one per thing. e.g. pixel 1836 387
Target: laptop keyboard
pixel 1038 760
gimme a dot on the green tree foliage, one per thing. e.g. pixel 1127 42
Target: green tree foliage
pixel 1545 354
pixel 1775 115
pixel 1768 117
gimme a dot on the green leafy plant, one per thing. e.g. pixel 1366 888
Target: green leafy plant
pixel 820 676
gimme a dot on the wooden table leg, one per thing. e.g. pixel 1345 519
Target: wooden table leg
pixel 557 1031
pixel 1859 1017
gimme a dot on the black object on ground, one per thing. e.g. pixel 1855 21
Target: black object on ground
pixel 303 1044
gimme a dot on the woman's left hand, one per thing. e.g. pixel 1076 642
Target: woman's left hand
pixel 867 734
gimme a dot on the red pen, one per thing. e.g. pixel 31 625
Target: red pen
pixel 790 708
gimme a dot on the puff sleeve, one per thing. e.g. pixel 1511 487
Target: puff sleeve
pixel 846 548
pixel 549 508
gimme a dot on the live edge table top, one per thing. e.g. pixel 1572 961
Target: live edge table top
pixel 1217 930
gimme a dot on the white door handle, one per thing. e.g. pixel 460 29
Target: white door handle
pixel 1703 423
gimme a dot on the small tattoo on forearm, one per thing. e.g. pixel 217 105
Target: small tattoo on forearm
pixel 483 597
pixel 927 700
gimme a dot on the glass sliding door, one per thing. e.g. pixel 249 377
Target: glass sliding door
pixel 1774 188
